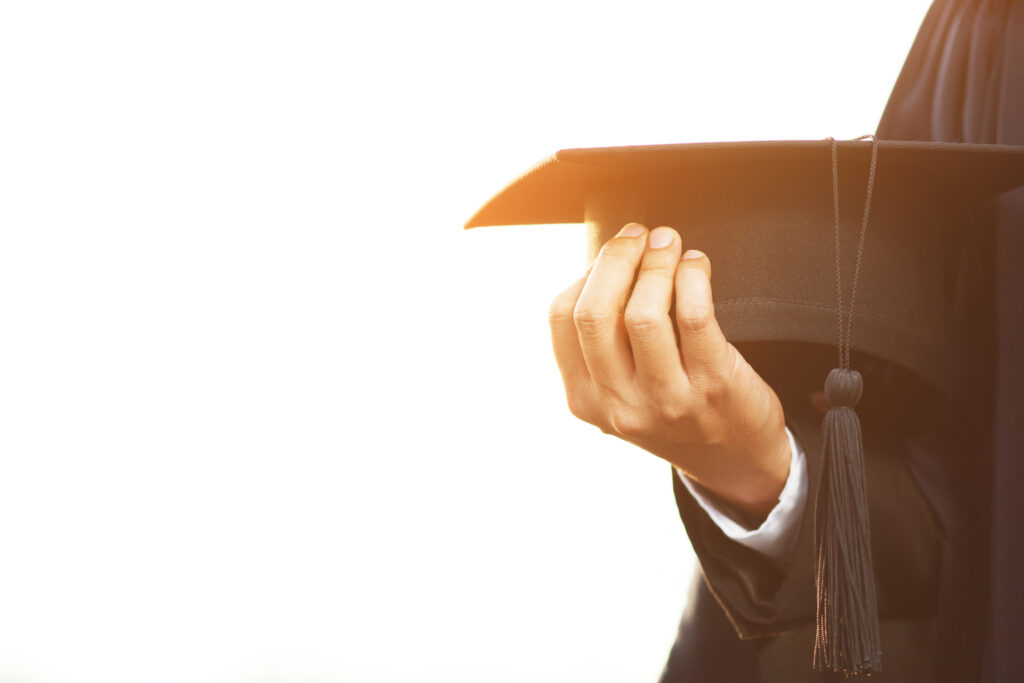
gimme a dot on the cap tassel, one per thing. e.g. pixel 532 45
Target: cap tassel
pixel 847 636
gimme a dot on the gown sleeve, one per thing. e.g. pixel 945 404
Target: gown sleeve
pixel 777 534
pixel 761 597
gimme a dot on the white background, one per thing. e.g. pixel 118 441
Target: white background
pixel 267 413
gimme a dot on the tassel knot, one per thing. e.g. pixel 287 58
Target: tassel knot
pixel 843 388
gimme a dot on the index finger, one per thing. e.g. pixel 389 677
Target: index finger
pixel 564 339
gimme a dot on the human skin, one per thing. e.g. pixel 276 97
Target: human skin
pixel 668 381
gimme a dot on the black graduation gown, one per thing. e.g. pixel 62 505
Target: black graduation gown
pixel 963 81
pixel 947 516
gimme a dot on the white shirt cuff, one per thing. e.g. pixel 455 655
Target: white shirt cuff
pixel 777 535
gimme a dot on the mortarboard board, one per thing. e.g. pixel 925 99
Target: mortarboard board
pixel 763 213
pixel 766 215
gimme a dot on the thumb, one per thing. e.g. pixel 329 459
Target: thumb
pixel 704 348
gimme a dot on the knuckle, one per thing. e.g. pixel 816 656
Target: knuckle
pixel 697 406
pixel 710 387
pixel 628 422
pixel 693 316
pixel 590 320
pixel 620 249
pixel 579 407
pixel 715 380
pixel 641 322
pixel 561 309
pixel 660 264
pixel 674 412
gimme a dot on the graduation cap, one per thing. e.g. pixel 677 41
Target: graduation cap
pixel 851 244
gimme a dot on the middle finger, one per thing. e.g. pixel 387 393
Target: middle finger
pixel 648 319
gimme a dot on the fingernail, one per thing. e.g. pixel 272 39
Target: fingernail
pixel 661 238
pixel 692 253
pixel 632 230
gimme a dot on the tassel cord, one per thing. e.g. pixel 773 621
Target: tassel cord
pixel 847 636
pixel 845 331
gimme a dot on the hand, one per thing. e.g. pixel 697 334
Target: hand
pixel 695 403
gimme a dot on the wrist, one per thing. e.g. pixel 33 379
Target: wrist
pixel 761 491
pixel 750 473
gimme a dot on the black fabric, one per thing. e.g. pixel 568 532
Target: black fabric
pixel 964 82
pixel 706 648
